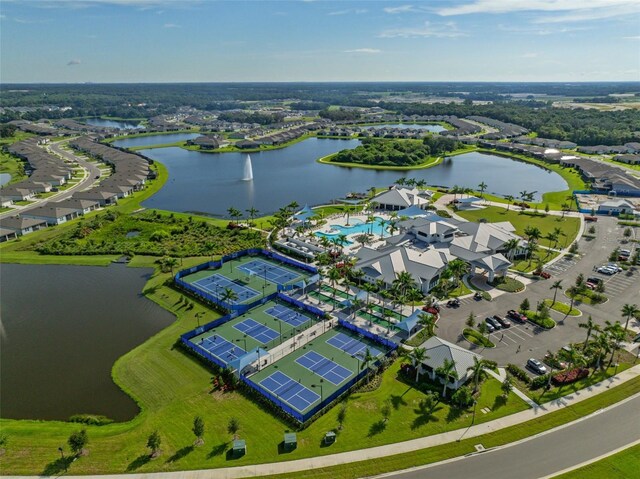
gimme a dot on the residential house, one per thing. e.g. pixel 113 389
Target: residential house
pixel 438 351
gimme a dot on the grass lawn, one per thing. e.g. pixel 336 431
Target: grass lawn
pixel 460 290
pixel 171 387
pixel 547 323
pixel 510 285
pixel 10 164
pixel 562 307
pixel 520 221
pixel 557 392
pixel 622 465
pixel 466 446
pixel 588 297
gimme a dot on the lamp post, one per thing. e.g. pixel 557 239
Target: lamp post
pixel 319 385
pixel 357 359
pixel 280 326
pixel 245 342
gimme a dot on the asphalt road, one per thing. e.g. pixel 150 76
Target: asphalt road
pixel 547 454
pixel 90 177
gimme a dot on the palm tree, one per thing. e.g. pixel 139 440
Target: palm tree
pixel 413 295
pixel 229 295
pixel 382 223
pixel 533 233
pixel 510 246
pixel 603 346
pixel 616 335
pixel 479 365
pixel 366 362
pixel 417 355
pixel 170 263
pixel 401 181
pixel 403 282
pixel 392 227
pixel 458 268
pixel 252 213
pixel 629 311
pixel 531 248
pixel 509 199
pixel 556 286
pixel 448 372
pixel 482 186
pixel 210 248
pixel 552 360
pixel 590 326
pixel 334 276
pixel 428 322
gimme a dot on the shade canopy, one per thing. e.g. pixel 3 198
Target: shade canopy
pixel 243 361
pixel 411 322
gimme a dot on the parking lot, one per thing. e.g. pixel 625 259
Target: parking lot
pixel 523 341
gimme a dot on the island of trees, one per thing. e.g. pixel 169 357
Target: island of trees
pixel 396 152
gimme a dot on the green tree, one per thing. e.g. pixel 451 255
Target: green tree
pixel 482 187
pixel 590 326
pixel 448 373
pixel 385 410
pixel 428 322
pixel 479 366
pixel 629 311
pixel 417 355
pixel 507 386
pixel 233 427
pixel 470 320
pixel 342 415
pixel 198 430
pixel 525 305
pixel 153 442
pixel 77 441
pixel 557 285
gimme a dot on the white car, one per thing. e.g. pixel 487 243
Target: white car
pixel 615 266
pixel 607 270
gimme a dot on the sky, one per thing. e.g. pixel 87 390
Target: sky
pixel 74 41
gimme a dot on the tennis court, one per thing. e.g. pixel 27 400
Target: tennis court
pixel 289 391
pixel 269 271
pixel 287 315
pixel 260 332
pixel 352 346
pixel 324 367
pixel 222 349
pixel 216 285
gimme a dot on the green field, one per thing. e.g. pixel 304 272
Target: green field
pixel 621 465
pixel 493 214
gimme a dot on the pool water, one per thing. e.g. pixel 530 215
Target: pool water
pixel 357 227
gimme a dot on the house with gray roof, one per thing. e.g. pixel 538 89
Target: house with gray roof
pixel 21 225
pixel 437 351
pixel 52 214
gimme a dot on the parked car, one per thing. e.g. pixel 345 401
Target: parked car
pixel 477 296
pixel 516 316
pixel 490 328
pixel 590 218
pixel 503 322
pixel 606 270
pixel 615 266
pixel 489 320
pixel 536 366
pixel 555 363
pixel 594 280
pixel 453 303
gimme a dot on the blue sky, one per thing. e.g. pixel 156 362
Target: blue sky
pixel 209 40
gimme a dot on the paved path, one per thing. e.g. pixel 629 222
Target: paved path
pixel 546 454
pixel 400 447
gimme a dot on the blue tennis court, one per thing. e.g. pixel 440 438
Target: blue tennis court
pixel 258 331
pixel 222 349
pixel 269 271
pixel 351 346
pixel 290 391
pixel 287 315
pixel 324 367
pixel 216 284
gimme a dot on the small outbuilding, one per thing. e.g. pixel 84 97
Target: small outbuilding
pixel 290 441
pixel 329 438
pixel 239 448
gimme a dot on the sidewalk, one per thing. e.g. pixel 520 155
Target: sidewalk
pixel 390 449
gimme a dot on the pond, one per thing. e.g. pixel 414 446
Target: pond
pixel 120 125
pixel 62 329
pixel 154 139
pixel 409 126
pixel 212 182
pixel 4 178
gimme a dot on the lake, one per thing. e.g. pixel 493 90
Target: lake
pixel 62 329
pixel 120 125
pixel 212 182
pixel 154 139
pixel 409 126
pixel 4 178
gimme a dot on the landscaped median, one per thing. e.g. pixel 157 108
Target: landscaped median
pixel 562 308
pixel 476 338
pixel 543 322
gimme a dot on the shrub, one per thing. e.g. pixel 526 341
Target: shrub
pixel 570 376
pixel 539 382
pixel 462 397
pixel 91 419
pixel 518 373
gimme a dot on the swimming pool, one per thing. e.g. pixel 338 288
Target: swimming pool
pixel 357 227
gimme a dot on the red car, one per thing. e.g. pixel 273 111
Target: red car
pixel 590 218
pixel 516 316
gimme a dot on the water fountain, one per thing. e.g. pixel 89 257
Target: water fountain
pixel 248 169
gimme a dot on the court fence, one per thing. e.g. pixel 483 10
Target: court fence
pixel 368 334
pixel 240 308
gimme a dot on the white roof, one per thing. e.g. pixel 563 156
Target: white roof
pixel 438 350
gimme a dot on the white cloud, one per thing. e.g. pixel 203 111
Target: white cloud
pixel 441 30
pixel 637 37
pixel 356 11
pixel 502 6
pixel 172 25
pixel 529 55
pixel 364 50
pixel 74 62
pixel 403 9
pixel 78 4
